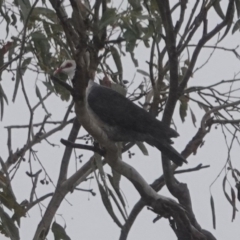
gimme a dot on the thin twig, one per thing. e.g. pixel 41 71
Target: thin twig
pixel 34 185
pixel 82 146
pixel 197 168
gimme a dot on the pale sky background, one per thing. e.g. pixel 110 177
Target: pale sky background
pixel 86 218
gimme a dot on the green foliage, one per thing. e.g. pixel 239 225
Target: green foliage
pixel 61 91
pixel 143 148
pixel 25 7
pixel 46 44
pixel 3 98
pixel 20 73
pixel 236 26
pixel 107 203
pixel 183 107
pixel 237 4
pixel 117 60
pixel 59 232
pixel 218 9
pixel 7 226
pixel 42 49
pixel 108 18
pixel 40 13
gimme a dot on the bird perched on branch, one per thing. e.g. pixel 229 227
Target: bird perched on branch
pixel 122 120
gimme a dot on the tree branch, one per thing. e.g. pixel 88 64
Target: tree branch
pixel 60 191
pixel 83 146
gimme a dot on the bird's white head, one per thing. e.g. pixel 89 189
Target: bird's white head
pixel 68 67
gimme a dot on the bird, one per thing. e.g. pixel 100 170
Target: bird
pixel 124 121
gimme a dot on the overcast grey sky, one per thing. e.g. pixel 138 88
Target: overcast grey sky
pixel 85 216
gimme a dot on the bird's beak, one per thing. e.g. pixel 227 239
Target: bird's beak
pixel 58 70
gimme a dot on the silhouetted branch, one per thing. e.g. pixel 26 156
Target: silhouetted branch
pixel 60 191
pixel 83 146
pixel 197 168
pixel 35 181
pixel 33 203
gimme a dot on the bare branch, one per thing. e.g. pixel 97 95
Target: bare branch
pixel 215 109
pixel 32 204
pixel 82 146
pixel 34 185
pixel 61 190
pixel 20 152
pixel 200 45
pixel 197 168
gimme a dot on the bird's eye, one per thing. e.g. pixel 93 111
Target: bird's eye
pixel 68 65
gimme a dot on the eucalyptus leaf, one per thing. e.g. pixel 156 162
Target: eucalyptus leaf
pixel 237 4
pixel 117 60
pixel 7 19
pixel 218 9
pixel 49 86
pixel 108 18
pixel 59 232
pixel 42 47
pixel 20 72
pixel 193 117
pixel 14 19
pixel 117 190
pixel 213 212
pixel 1 61
pixel 143 72
pixel 8 225
pixel 2 97
pixel 108 205
pixel 38 12
pixel 135 61
pixel 38 93
pixel 229 17
pixel 236 26
pixel 143 148
pixel 25 7
pixel 183 108
pixel 135 4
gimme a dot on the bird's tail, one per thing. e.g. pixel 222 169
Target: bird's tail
pixel 169 151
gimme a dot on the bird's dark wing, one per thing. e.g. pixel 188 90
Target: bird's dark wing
pixel 167 150
pixel 119 112
pixel 125 121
